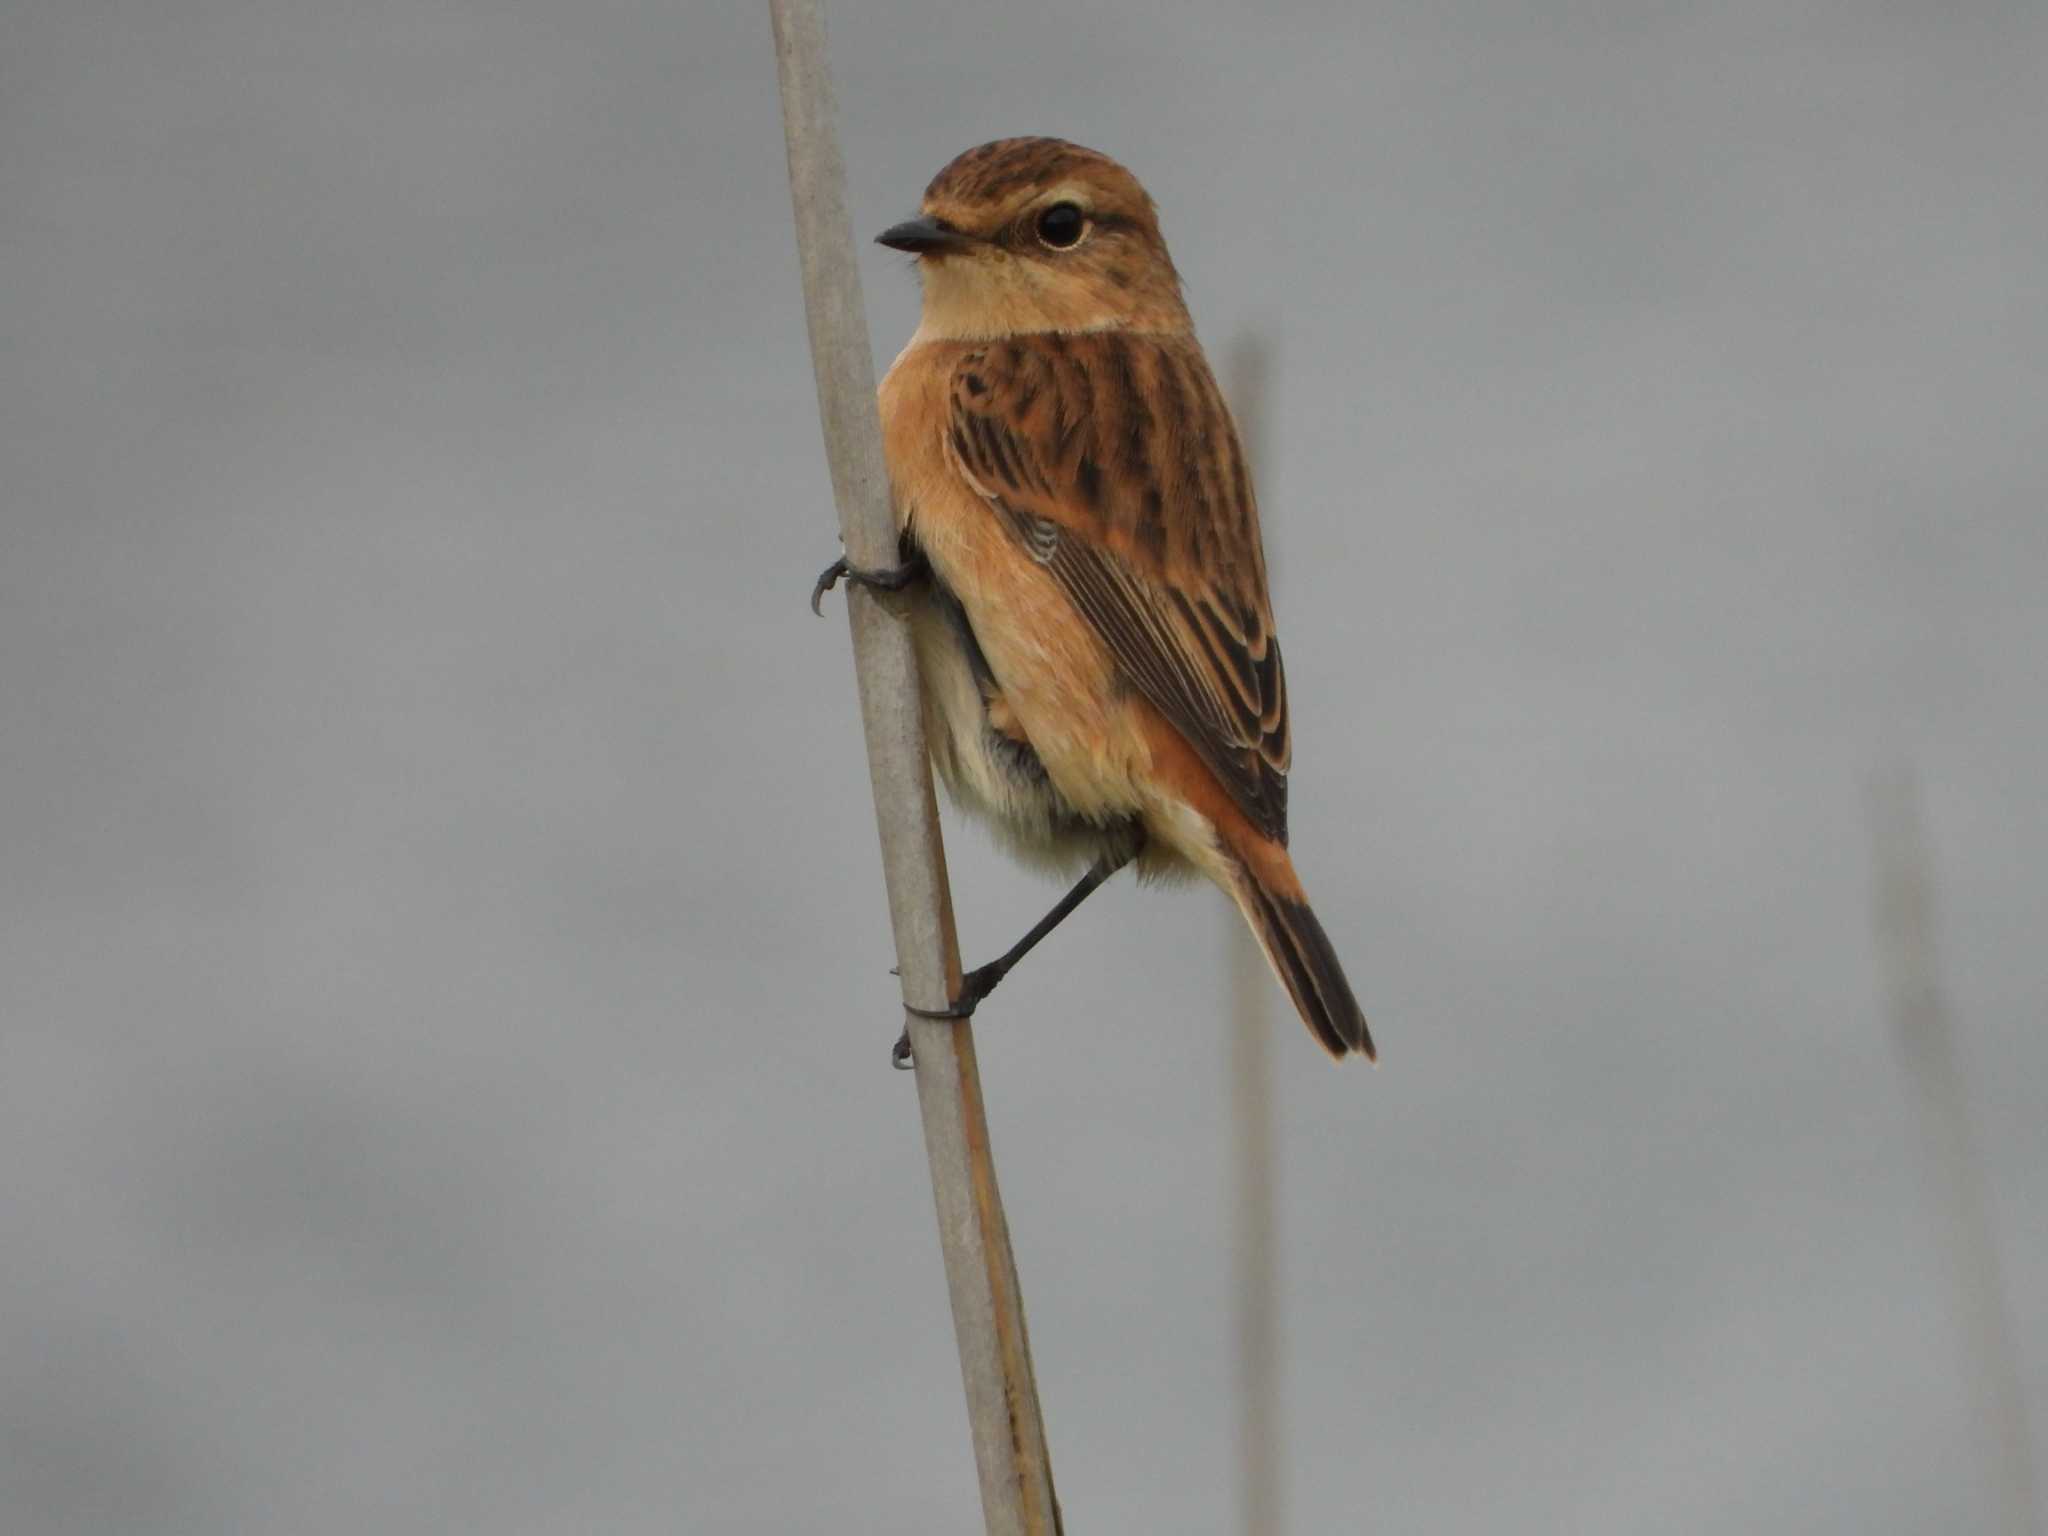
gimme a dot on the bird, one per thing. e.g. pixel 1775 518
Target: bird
pixel 1080 559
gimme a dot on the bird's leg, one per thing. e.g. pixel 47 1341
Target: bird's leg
pixel 892 578
pixel 982 980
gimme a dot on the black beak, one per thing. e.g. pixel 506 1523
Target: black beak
pixel 922 237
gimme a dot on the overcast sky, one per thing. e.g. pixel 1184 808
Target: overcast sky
pixel 444 1009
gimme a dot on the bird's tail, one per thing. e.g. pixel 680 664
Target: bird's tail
pixel 1301 956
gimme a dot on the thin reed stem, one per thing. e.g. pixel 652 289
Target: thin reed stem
pixel 981 1275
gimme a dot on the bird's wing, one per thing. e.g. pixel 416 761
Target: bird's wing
pixel 1113 462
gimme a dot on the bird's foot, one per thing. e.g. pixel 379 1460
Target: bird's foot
pixel 884 579
pixel 974 986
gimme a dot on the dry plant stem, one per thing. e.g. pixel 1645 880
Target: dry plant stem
pixel 1905 920
pixel 988 1313
pixel 1257 1297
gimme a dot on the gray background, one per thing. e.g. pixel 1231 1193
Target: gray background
pixel 443 994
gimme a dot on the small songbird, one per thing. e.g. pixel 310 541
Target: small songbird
pixel 1082 565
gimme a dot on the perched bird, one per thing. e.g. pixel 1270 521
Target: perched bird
pixel 1081 553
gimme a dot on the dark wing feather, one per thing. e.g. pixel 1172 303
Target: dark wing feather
pixel 1112 460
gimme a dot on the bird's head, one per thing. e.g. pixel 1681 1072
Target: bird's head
pixel 1028 235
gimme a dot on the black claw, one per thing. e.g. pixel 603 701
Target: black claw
pixel 828 578
pixel 960 1010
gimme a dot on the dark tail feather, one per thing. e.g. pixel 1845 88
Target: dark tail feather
pixel 1300 954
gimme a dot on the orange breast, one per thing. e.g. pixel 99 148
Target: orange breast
pixel 1057 680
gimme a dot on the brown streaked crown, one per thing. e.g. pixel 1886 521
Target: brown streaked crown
pixel 998 170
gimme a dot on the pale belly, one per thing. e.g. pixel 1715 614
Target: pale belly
pixel 988 772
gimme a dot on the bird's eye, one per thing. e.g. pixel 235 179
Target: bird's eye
pixel 1062 225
